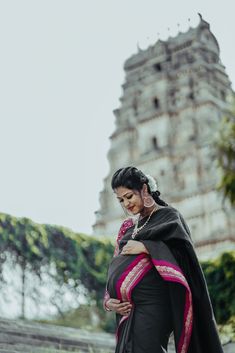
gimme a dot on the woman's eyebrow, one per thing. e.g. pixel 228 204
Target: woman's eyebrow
pixel 129 192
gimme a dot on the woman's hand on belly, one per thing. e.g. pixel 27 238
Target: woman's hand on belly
pixel 120 308
pixel 134 247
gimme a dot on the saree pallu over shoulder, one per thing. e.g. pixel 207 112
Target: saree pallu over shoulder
pixel 182 308
pixel 173 273
pixel 168 239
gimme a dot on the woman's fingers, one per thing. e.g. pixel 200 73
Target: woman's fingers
pixel 126 250
pixel 121 308
pixel 115 301
pixel 133 247
pixel 111 303
pixel 124 308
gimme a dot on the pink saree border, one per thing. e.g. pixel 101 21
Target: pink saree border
pixel 133 266
pixel 133 274
pixel 173 273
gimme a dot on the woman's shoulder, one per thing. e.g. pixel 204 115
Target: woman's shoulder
pixel 170 218
pixel 173 215
pixel 170 214
pixel 169 211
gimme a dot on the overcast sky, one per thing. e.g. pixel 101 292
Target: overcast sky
pixel 61 70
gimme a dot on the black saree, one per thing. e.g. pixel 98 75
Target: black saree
pixel 177 300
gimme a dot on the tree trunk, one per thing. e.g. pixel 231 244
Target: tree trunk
pixel 23 280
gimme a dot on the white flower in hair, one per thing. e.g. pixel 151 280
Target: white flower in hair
pixel 152 183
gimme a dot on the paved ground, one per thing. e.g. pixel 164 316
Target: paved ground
pixel 229 348
pixel 18 336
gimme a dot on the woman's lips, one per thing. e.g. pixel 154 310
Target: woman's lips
pixel 130 208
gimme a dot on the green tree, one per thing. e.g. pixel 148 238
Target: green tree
pixel 221 285
pixel 80 259
pixel 26 244
pixel 74 261
pixel 225 145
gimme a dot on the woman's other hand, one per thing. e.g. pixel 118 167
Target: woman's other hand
pixel 133 247
pixel 120 308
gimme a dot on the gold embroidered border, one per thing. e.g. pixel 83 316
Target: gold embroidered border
pixel 132 277
pixel 172 272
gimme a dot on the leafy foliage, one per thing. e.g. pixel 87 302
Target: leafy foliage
pixel 77 259
pixel 221 285
pixel 226 155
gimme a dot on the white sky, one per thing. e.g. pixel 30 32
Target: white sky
pixel 61 70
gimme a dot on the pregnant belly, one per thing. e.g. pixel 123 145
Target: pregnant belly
pixel 151 290
pixel 125 272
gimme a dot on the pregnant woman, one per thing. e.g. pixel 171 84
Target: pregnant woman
pixel 155 283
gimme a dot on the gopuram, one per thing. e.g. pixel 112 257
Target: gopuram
pixel 174 96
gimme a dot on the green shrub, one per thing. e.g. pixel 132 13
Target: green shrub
pixel 220 277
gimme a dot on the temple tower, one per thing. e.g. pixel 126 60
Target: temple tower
pixel 174 96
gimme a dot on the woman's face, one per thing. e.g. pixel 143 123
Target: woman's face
pixel 130 200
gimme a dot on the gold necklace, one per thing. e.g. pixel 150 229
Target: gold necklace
pixel 136 229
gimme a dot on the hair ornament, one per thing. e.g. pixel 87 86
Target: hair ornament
pixel 152 183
